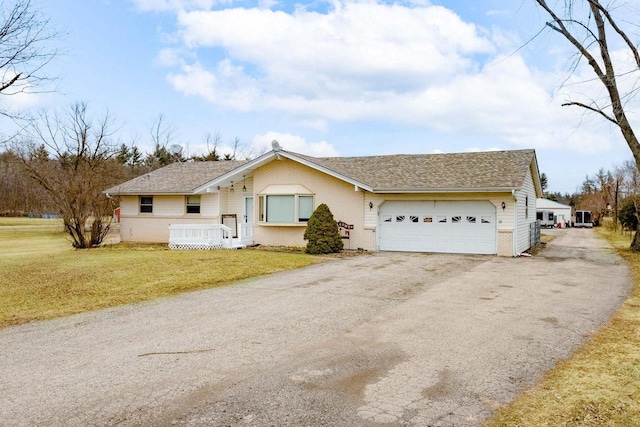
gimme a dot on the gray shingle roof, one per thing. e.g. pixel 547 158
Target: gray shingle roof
pixel 177 178
pixel 476 170
pixel 402 172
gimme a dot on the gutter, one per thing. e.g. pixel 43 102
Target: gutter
pixel 444 190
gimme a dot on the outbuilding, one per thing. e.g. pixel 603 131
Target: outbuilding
pixel 561 213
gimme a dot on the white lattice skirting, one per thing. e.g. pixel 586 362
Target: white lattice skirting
pixel 196 246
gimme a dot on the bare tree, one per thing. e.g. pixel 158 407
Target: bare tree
pixel 82 165
pixel 592 28
pixel 25 35
pixel 163 136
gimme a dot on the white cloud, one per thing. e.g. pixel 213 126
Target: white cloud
pixel 170 57
pixel 171 5
pixel 294 143
pixel 364 61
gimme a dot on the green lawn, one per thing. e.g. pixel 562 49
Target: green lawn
pixel 600 384
pixel 44 277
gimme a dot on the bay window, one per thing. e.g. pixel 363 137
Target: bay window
pixel 285 208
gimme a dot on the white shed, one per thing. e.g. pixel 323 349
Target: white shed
pixel 561 212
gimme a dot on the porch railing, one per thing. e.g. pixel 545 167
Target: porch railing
pixel 209 236
pixel 245 233
pixel 200 236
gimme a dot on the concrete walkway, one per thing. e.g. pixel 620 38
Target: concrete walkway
pixel 384 339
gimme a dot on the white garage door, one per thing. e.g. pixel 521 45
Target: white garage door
pixel 467 227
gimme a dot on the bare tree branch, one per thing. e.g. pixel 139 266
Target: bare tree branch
pixel 24 51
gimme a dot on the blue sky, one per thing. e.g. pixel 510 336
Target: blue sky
pixel 332 78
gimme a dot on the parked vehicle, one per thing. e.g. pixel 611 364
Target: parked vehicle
pixel 583 219
pixel 546 218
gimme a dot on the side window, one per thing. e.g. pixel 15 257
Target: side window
pixel 146 204
pixel 193 204
pixel 305 208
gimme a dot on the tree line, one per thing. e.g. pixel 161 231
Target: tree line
pixel 60 163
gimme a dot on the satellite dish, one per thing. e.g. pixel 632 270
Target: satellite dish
pixel 275 145
pixel 175 149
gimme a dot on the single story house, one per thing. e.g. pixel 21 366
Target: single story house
pixel 561 213
pixel 478 202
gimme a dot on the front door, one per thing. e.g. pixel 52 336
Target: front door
pixel 248 210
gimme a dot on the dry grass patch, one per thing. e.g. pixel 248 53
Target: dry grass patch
pixel 43 277
pixel 600 384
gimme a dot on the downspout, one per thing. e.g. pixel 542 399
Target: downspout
pixel 515 224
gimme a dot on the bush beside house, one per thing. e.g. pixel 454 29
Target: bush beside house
pixel 322 232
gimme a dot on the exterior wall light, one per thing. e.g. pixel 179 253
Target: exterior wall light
pixel 504 205
pixel 370 205
pixel 231 190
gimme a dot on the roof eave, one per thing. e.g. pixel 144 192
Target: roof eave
pixel 327 171
pixel 446 190
pixel 151 193
pixel 251 165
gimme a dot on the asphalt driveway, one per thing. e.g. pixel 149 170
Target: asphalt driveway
pixel 390 338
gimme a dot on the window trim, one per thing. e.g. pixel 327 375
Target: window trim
pixel 146 206
pixel 193 205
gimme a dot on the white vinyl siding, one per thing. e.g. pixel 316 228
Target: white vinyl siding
pixel 525 215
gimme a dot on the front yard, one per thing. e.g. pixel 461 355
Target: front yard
pixel 43 277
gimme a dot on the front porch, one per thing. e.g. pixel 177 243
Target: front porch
pixel 209 236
